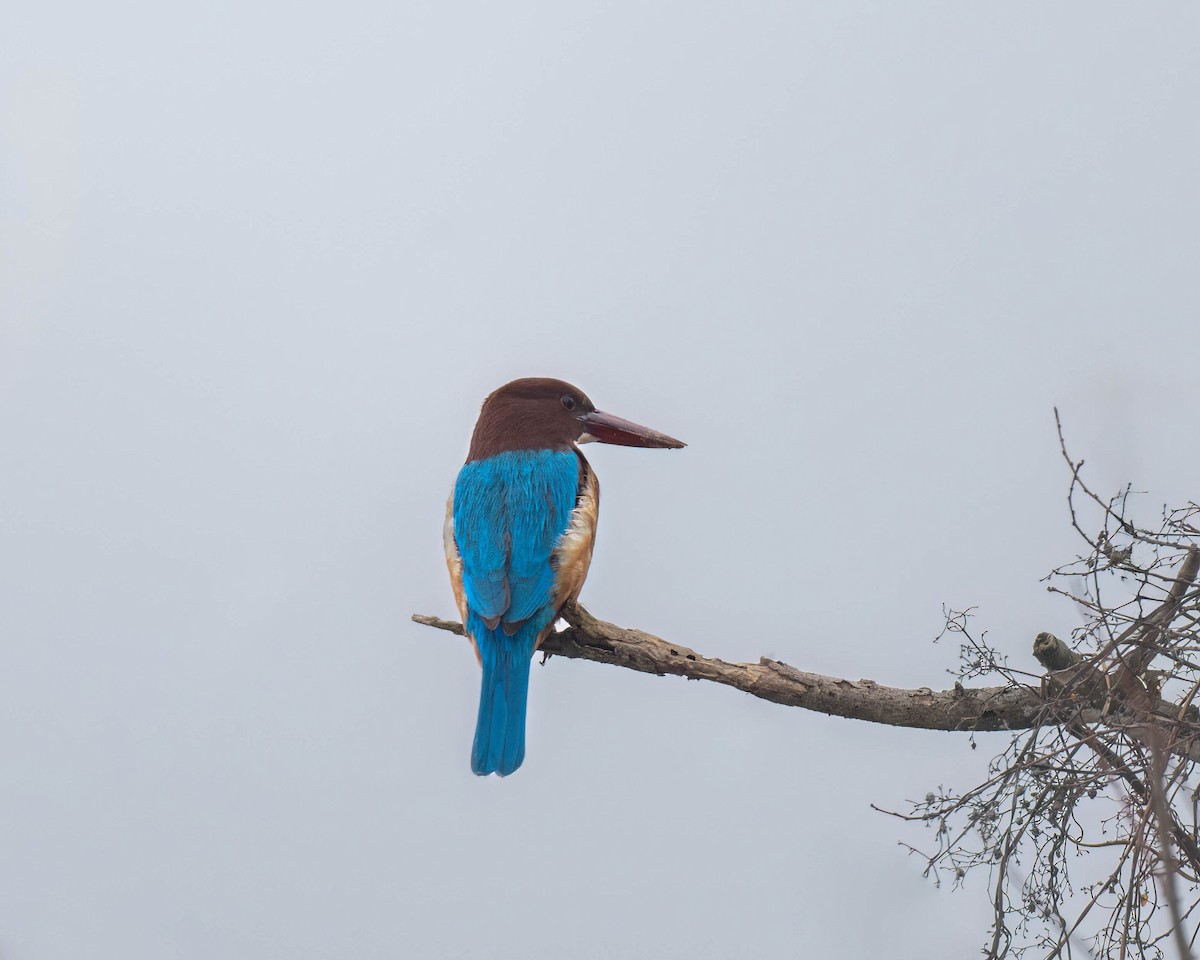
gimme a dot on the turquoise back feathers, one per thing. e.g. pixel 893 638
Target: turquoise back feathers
pixel 509 513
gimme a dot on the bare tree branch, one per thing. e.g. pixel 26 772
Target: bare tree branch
pixel 960 708
pixel 964 709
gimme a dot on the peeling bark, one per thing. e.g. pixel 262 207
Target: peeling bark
pixel 960 708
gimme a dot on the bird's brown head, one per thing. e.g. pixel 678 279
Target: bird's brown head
pixel 539 413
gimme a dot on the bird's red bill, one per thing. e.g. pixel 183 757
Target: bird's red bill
pixel 606 428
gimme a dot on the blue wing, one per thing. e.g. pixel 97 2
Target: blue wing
pixel 509 512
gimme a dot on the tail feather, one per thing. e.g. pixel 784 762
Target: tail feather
pixel 500 729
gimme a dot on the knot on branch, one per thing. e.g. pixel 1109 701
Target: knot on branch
pixel 1052 653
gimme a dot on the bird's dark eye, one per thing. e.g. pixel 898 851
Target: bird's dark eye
pixel 568 401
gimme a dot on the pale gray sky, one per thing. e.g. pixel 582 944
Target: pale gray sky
pixel 260 263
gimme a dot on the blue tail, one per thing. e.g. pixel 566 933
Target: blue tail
pixel 500 730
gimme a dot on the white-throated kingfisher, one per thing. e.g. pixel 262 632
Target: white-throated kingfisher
pixel 520 526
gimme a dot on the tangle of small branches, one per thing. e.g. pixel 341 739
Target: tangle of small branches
pixel 1086 829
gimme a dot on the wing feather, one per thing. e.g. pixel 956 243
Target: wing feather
pixel 507 515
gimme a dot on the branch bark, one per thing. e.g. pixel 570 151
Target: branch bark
pixel 976 709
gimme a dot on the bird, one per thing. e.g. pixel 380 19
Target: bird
pixel 518 535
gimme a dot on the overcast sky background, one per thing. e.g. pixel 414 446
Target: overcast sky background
pixel 260 263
